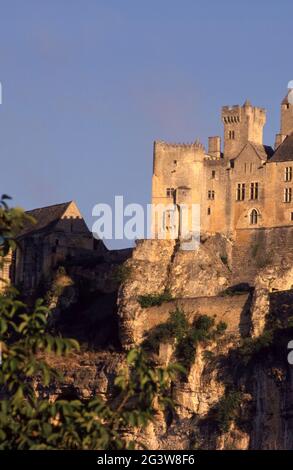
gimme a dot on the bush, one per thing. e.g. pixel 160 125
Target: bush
pixel 121 273
pixel 227 410
pixel 250 347
pixel 174 328
pixel 200 331
pixel 186 336
pixel 152 300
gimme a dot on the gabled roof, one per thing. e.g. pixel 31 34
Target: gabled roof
pixel 44 217
pixel 284 152
pixel 264 152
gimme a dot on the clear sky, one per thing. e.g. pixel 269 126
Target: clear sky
pixel 88 85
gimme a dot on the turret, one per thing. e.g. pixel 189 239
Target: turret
pixel 286 119
pixel 242 124
pixel 287 115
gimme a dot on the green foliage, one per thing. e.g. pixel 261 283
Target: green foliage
pixel 230 292
pixel 185 336
pixel 152 300
pixel 12 220
pixel 55 287
pixel 174 328
pixel 121 273
pixel 250 347
pixel 202 330
pixel 28 421
pixel 227 410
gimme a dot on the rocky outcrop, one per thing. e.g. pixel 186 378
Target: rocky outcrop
pixel 160 265
pixel 269 279
pixel 238 390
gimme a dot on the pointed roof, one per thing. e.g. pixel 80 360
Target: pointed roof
pixel 284 152
pixel 264 152
pixel 286 100
pixel 44 217
pixel 247 103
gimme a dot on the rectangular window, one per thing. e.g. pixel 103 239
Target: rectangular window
pixel 231 135
pixel 288 195
pixel 240 192
pixel 291 216
pixel 211 195
pixel 209 211
pixel 288 173
pixel 213 174
pixel 254 191
pixel 170 192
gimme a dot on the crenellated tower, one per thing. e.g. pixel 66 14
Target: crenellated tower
pixel 242 124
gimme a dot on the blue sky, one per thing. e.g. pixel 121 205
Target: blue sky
pixel 88 85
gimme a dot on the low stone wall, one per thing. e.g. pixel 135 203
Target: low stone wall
pixel 233 310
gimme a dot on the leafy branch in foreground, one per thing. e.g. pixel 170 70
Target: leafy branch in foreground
pixel 30 422
pixel 12 220
pixel 27 420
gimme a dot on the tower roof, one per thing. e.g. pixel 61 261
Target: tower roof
pixel 284 152
pixel 247 103
pixel 286 100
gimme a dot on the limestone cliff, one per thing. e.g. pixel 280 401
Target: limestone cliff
pixel 238 390
pixel 238 393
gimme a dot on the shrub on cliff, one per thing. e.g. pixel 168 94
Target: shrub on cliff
pixel 227 410
pixel 152 300
pixel 185 336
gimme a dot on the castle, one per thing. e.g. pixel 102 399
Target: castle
pixel 243 188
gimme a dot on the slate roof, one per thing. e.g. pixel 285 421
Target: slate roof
pixel 286 100
pixel 284 152
pixel 265 152
pixel 44 217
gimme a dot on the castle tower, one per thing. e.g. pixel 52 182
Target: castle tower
pixel 286 120
pixel 178 175
pixel 286 116
pixel 242 124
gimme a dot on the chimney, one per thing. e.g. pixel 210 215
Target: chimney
pixel 215 147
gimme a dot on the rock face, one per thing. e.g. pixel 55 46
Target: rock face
pixel 238 391
pixel 260 389
pixel 159 265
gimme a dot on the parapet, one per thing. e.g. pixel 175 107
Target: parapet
pixel 178 145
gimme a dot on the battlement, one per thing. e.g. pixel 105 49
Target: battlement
pixel 179 145
pixel 235 113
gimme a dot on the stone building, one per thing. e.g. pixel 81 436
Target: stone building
pixel 59 233
pixel 246 186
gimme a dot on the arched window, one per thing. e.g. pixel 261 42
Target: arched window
pixel 253 217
